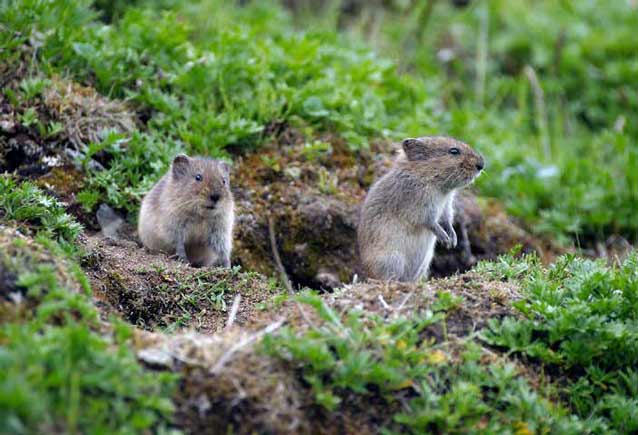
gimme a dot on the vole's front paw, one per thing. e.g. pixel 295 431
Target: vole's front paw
pixel 180 258
pixel 453 239
pixel 445 240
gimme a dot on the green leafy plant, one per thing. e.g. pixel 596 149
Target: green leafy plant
pixel 33 87
pixel 364 354
pixel 315 150
pixel 137 162
pixel 25 202
pixel 580 315
pixel 71 379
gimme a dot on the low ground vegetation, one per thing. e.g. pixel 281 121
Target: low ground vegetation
pixel 99 336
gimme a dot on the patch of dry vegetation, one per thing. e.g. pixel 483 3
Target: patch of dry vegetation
pixel 47 123
pixel 84 114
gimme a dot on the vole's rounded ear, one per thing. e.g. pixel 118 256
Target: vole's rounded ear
pixel 413 148
pixel 224 166
pixel 181 165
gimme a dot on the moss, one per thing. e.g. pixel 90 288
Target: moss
pixel 21 256
pixel 83 113
pixel 64 181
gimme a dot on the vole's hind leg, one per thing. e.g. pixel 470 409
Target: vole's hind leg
pixel 390 266
pixel 424 269
pixel 224 261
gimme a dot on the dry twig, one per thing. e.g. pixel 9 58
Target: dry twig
pixel 384 304
pixel 233 311
pixel 275 253
pixel 404 301
pixel 282 271
pixel 221 362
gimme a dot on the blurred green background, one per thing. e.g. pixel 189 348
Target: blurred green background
pixel 546 89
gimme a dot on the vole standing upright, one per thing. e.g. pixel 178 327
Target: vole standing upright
pixel 410 207
pixel 190 212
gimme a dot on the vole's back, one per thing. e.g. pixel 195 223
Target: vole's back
pixel 153 226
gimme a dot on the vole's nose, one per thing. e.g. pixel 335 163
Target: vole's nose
pixel 214 197
pixel 480 164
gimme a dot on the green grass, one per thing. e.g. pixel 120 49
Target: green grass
pixel 430 387
pixel 61 370
pixel 69 379
pixel 580 318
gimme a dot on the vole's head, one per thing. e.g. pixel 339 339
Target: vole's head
pixel 444 160
pixel 202 183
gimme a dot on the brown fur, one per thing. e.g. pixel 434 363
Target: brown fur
pixel 410 207
pixel 189 217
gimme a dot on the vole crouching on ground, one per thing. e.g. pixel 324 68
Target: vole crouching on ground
pixel 412 206
pixel 190 212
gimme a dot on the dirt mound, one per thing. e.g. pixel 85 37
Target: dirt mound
pixel 230 386
pixel 153 291
pixel 312 193
pixel 229 383
pixel 477 300
pixel 303 193
pixel 226 383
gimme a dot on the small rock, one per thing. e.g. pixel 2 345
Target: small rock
pixel 328 280
pixel 293 172
pixel 93 165
pixel 7 125
pixel 155 357
pixel 109 221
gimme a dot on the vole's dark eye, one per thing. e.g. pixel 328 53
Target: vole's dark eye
pixel 455 151
pixel 224 181
pixel 198 177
